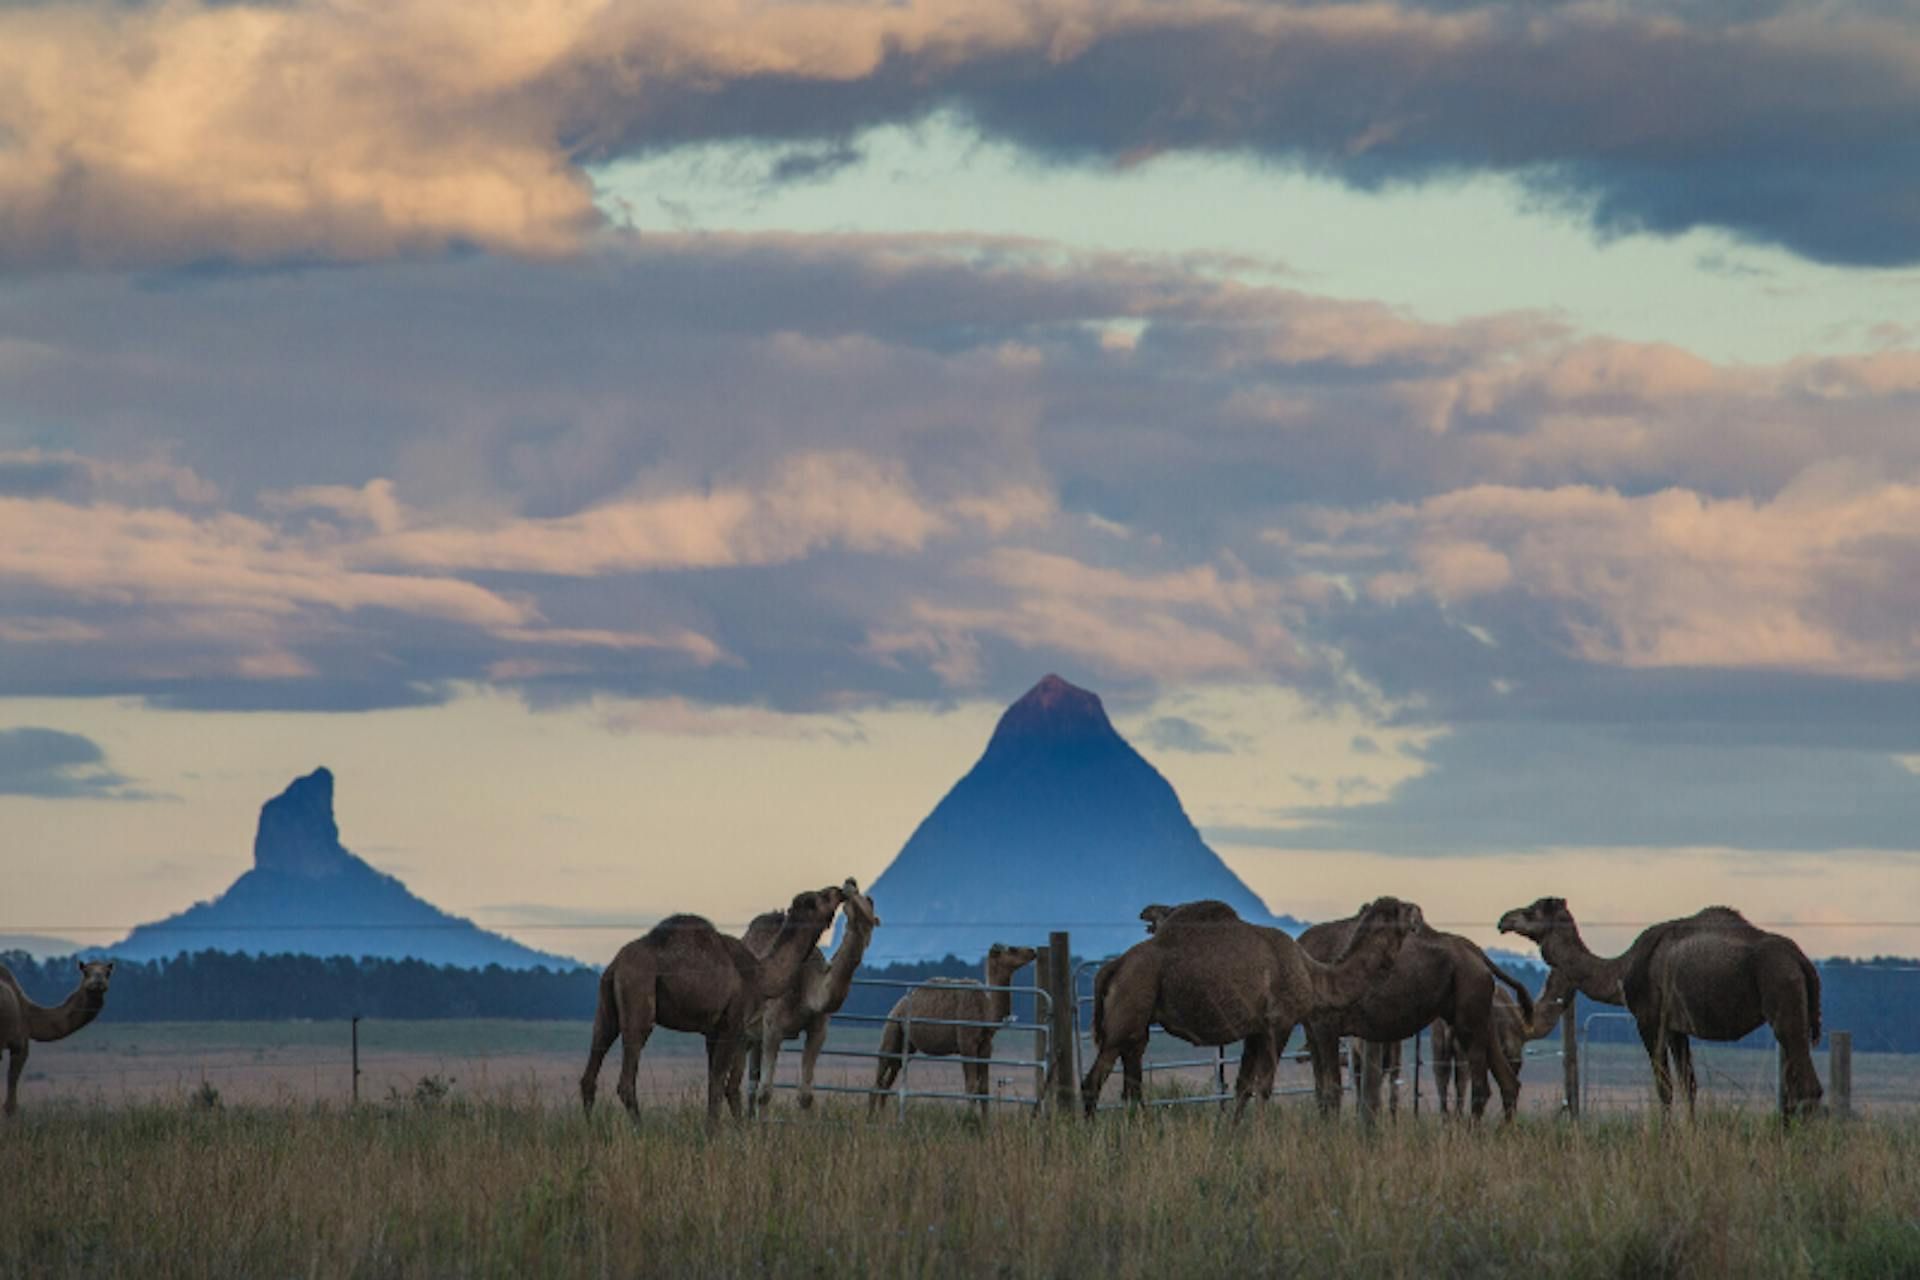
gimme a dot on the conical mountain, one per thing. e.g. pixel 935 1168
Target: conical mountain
pixel 1060 825
pixel 306 894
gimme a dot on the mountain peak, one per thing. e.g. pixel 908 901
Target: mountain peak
pixel 1054 709
pixel 297 834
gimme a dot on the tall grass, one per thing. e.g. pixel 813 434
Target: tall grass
pixel 454 1189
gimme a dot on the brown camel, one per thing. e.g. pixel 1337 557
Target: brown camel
pixel 931 1010
pixel 808 1007
pixel 1710 974
pixel 1510 1033
pixel 1436 975
pixel 22 1021
pixel 688 976
pixel 1210 978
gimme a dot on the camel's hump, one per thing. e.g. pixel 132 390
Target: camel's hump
pixel 678 926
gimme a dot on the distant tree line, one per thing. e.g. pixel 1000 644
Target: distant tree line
pixel 1878 1000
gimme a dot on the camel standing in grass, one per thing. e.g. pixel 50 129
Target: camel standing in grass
pixel 1510 1030
pixel 22 1021
pixel 1436 975
pixel 949 1001
pixel 1210 978
pixel 688 976
pixel 1711 974
pixel 809 1006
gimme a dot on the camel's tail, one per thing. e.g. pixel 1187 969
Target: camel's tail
pixel 1101 981
pixel 606 1013
pixel 1813 997
pixel 1520 994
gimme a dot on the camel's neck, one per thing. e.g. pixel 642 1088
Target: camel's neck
pixel 846 962
pixel 62 1020
pixel 1595 977
pixel 780 967
pixel 1347 980
pixel 999 1003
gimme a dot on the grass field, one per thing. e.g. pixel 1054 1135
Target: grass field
pixel 464 1188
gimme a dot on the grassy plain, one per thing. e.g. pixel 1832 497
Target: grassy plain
pixel 483 1188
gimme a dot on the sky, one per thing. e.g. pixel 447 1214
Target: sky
pixel 641 447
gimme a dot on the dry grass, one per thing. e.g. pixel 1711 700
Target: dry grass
pixel 494 1189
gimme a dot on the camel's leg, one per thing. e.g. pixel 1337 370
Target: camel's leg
pixel 606 1029
pixel 16 1063
pixel 1133 1076
pixel 736 1068
pixel 1477 1074
pixel 809 1056
pixel 1656 1042
pixel 765 1053
pixel 892 1047
pixel 1324 1048
pixel 1680 1050
pixel 979 1076
pixel 753 1077
pixel 1443 1075
pixel 1507 1078
pixel 1254 1076
pixel 1785 1007
pixel 636 1024
pixel 1096 1078
pixel 723 1052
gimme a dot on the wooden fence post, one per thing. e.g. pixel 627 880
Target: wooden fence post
pixel 356 1059
pixel 1840 1072
pixel 1043 979
pixel 1066 1089
pixel 1363 1068
pixel 1570 1061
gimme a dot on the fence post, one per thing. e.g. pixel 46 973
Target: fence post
pixel 1840 1072
pixel 356 1059
pixel 1042 971
pixel 1570 1061
pixel 1061 1021
pixel 1363 1060
pixel 1419 1038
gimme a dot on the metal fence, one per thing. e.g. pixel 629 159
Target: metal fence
pixel 901 1089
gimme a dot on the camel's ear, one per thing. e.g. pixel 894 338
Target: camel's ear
pixel 109 968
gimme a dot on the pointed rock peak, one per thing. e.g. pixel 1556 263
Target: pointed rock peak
pixel 297 834
pixel 1054 709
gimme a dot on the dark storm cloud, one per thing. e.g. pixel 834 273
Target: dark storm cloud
pixel 1529 787
pixel 50 764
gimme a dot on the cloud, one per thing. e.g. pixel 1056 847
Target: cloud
pixel 320 131
pixel 53 765
pixel 1177 733
pixel 802 473
pixel 1537 788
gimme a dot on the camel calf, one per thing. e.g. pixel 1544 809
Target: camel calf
pixel 951 1000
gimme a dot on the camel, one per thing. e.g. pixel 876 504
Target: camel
pixel 949 1001
pixel 1711 974
pixel 1511 1034
pixel 1210 978
pixel 686 975
pixel 809 1006
pixel 22 1021
pixel 1436 975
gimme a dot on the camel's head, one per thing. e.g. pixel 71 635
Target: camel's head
pixel 1154 914
pixel 1004 961
pixel 814 909
pixel 859 906
pixel 94 975
pixel 1538 920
